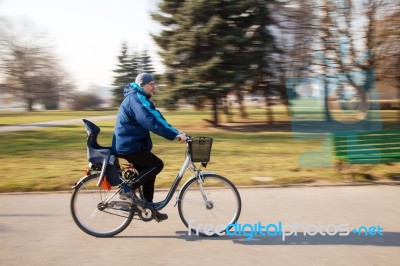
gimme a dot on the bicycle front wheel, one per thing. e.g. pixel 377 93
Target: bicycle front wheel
pixel 207 207
pixel 99 212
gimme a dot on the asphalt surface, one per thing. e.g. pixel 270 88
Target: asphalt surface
pixel 37 229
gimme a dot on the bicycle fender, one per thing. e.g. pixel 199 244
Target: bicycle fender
pixel 192 177
pixel 80 180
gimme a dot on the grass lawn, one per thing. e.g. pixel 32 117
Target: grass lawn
pixel 247 152
pixel 13 118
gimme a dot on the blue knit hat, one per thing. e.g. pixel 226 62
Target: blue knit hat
pixel 143 78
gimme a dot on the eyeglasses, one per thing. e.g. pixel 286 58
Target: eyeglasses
pixel 152 83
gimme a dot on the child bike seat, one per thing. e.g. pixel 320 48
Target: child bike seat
pixel 95 153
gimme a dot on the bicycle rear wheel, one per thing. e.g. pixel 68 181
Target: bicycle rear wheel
pixel 209 206
pixel 97 211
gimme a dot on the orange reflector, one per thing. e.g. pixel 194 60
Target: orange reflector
pixel 87 171
pixel 105 184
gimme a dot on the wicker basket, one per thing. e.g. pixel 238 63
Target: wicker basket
pixel 200 149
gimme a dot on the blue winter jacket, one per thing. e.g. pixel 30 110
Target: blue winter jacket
pixel 138 116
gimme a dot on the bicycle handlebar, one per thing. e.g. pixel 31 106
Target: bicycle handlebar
pixel 188 138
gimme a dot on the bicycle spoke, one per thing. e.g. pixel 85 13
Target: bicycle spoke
pixel 87 205
pixel 208 207
pixel 198 202
pixel 95 211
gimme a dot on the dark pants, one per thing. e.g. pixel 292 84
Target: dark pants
pixel 148 166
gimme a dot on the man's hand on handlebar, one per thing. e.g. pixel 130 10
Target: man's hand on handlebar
pixel 181 137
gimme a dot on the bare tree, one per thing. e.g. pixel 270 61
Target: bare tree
pixel 361 37
pixel 294 29
pixel 31 71
pixel 383 39
pixel 85 101
pixel 332 38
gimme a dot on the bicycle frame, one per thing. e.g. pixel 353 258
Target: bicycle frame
pixel 187 164
pixel 101 209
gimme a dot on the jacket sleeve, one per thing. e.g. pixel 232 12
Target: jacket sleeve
pixel 150 118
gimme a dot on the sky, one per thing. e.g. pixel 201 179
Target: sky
pixel 86 35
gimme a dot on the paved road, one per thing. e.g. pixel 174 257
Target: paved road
pixel 37 229
pixel 33 126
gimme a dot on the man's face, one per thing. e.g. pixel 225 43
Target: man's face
pixel 150 88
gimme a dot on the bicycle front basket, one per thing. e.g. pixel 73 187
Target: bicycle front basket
pixel 200 149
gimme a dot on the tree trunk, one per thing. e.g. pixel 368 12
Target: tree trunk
pixel 227 109
pixel 242 107
pixel 29 106
pixel 215 111
pixel 328 117
pixel 285 98
pixel 398 92
pixel 270 113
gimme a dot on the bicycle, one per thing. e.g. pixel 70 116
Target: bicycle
pixel 208 204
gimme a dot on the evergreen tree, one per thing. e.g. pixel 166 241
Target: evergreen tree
pixel 128 67
pixel 135 64
pixel 146 64
pixel 213 47
pixel 126 72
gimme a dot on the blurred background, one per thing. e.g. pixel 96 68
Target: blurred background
pixel 229 67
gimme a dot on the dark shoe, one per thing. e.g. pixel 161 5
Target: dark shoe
pixel 161 216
